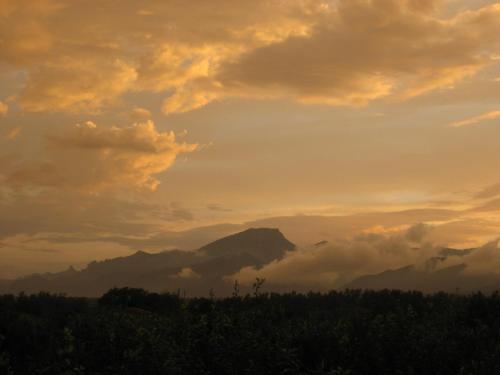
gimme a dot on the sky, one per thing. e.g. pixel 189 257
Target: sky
pixel 160 124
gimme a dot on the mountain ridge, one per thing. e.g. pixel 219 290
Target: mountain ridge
pixel 195 270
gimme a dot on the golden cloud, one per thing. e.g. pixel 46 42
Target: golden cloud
pixel 349 52
pixel 369 49
pixel 4 108
pixel 76 85
pixel 77 59
pixel 492 115
pixel 93 158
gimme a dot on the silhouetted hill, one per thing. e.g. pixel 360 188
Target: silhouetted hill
pixel 145 262
pixel 429 277
pixel 195 272
pixel 449 279
pixel 264 244
pixel 5 285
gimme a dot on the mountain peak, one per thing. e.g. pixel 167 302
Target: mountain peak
pixel 140 253
pixel 265 244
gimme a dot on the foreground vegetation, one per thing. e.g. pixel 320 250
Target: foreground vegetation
pixel 130 331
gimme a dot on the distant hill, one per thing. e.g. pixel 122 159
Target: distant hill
pixel 429 277
pixel 450 279
pixel 194 272
pixel 411 278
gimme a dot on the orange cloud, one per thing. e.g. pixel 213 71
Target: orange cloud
pixel 4 108
pixel 92 158
pixel 367 50
pixel 349 52
pixel 77 59
pixel 76 85
pixel 476 119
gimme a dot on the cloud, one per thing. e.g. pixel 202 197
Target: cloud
pixel 64 212
pixel 489 192
pixel 4 109
pixel 78 85
pixel 25 34
pixel 188 99
pixel 464 232
pixel 348 52
pixel 140 114
pixel 476 119
pixel 94 158
pixel 178 213
pixel 304 230
pixel 13 133
pixel 362 52
pixel 485 260
pixel 79 60
pixel 327 267
pixel 416 233
pixel 488 206
pixel 186 273
pixel 65 217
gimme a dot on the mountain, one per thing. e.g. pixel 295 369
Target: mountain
pixel 263 244
pixel 428 277
pixel 195 271
pixel 449 279
pixel 5 285
pixel 410 278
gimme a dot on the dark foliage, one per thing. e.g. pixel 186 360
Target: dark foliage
pixel 130 331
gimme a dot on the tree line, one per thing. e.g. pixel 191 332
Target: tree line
pixel 132 331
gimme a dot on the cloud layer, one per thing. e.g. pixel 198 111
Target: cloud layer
pixel 83 58
pixel 348 52
pixel 369 49
pixel 330 265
